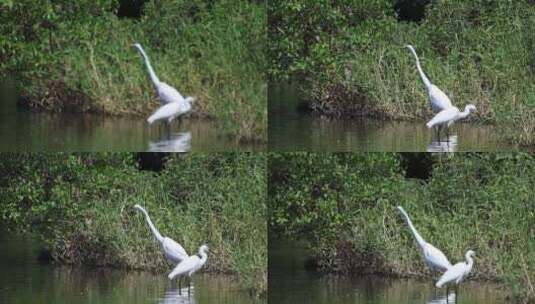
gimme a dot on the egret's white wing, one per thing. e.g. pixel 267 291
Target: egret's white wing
pixel 436 257
pixel 184 267
pixel 174 251
pixel 452 274
pixel 439 100
pixel 165 112
pixel 443 117
pixel 168 94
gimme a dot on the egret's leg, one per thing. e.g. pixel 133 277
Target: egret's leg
pixel 168 124
pixel 189 285
pixel 179 287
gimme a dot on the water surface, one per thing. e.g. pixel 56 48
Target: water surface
pixel 290 282
pixel 290 129
pixel 24 280
pixel 22 130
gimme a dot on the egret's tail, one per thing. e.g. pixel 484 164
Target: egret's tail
pixel 415 233
pixel 440 282
pixel 152 227
pixel 429 125
pixel 151 119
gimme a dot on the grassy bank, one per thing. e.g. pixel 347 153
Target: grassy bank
pixel 351 56
pixel 344 204
pixel 78 57
pixel 81 205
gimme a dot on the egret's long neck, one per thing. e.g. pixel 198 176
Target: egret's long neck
pixel 469 260
pixel 425 80
pixel 152 75
pixel 415 233
pixel 152 227
pixel 204 256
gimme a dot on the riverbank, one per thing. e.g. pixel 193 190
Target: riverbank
pixel 353 61
pixel 345 206
pixel 81 205
pixel 27 280
pixel 293 280
pixel 79 58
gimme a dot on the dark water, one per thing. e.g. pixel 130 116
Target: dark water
pixel 289 282
pixel 24 280
pixel 290 129
pixel 21 130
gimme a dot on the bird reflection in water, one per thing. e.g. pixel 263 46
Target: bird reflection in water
pixel 172 142
pixel 174 295
pixel 450 145
pixel 443 299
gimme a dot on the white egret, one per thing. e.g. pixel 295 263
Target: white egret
pixel 173 103
pixel 190 265
pixel 173 251
pixel 438 99
pixel 171 110
pixel 458 271
pixel 434 258
pixel 449 116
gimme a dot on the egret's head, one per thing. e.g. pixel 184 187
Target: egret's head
pixel 470 254
pixel 203 248
pixel 190 99
pixel 136 45
pixel 409 47
pixel 470 108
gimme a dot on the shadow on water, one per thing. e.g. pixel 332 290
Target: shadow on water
pixel 25 280
pixel 29 131
pixel 289 282
pixel 290 129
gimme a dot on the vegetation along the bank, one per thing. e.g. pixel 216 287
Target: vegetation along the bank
pixel 345 205
pixel 78 56
pixel 82 207
pixel 351 56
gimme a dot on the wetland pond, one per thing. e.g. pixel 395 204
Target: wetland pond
pixel 23 279
pixel 290 129
pixel 26 131
pixel 290 282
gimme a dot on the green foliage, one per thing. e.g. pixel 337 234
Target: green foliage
pixel 344 204
pixel 81 204
pixel 352 53
pixel 212 50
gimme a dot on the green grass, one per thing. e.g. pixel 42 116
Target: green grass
pixel 345 205
pixel 210 50
pixel 353 62
pixel 82 207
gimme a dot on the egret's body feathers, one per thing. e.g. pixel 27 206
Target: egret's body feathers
pixel 434 258
pixel 438 99
pixel 457 272
pixel 173 251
